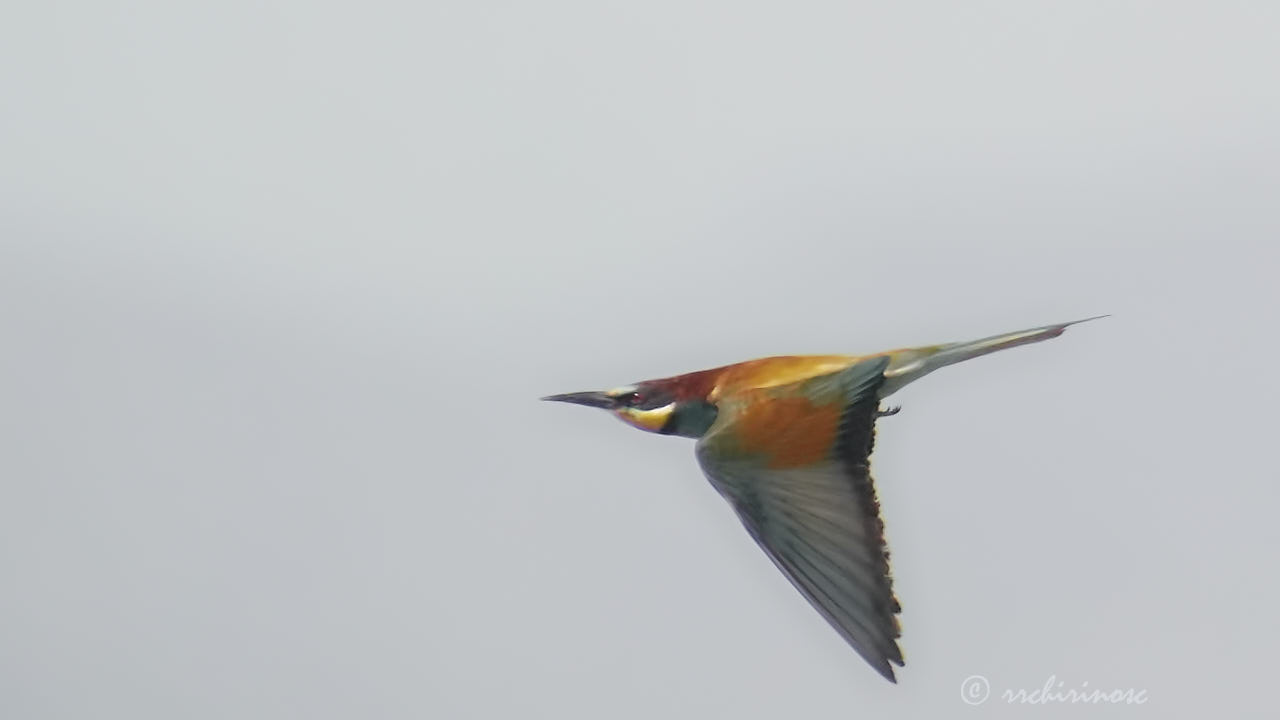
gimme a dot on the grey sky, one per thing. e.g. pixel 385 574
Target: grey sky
pixel 280 285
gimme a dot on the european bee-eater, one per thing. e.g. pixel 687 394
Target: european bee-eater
pixel 787 440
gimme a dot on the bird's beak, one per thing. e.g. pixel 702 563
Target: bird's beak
pixel 590 399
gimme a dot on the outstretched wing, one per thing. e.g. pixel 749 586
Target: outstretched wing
pixel 793 462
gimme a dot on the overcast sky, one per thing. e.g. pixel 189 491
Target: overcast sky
pixel 281 283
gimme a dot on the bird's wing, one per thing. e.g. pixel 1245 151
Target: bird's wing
pixel 793 462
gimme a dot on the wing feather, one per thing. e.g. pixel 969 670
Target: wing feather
pixel 819 523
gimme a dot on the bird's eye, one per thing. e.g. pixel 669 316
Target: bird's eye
pixel 641 399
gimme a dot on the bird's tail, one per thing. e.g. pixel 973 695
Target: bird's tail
pixel 913 364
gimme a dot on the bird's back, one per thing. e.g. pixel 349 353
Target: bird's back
pixel 774 371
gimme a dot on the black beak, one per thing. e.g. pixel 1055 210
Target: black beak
pixel 590 399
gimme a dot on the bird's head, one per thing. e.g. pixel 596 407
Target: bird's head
pixel 668 407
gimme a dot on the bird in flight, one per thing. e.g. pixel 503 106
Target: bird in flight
pixel 786 441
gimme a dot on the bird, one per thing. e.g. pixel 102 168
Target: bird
pixel 787 440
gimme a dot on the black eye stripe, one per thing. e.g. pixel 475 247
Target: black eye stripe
pixel 644 399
